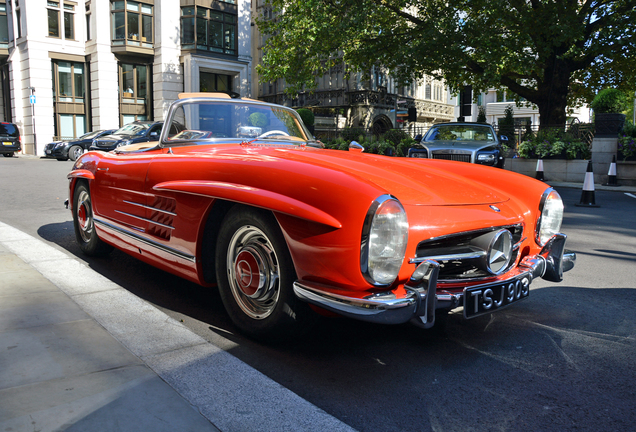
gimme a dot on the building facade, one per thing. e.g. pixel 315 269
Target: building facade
pixel 100 64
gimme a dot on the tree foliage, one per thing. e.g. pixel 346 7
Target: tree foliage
pixel 552 53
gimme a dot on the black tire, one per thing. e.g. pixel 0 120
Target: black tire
pixel 75 152
pixel 261 302
pixel 85 233
pixel 7 154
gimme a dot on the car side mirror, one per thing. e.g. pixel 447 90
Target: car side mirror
pixel 503 138
pixel 154 133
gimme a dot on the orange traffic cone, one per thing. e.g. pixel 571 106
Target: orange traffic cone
pixel 539 175
pixel 611 174
pixel 587 196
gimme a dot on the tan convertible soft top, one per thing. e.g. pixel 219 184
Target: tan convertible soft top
pixel 219 95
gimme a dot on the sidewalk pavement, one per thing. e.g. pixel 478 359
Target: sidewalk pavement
pixel 80 353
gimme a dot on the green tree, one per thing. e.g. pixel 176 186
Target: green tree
pixel 552 53
pixel 481 115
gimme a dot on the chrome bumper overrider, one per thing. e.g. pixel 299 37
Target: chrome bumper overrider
pixel 422 298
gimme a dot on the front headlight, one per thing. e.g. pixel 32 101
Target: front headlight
pixel 550 216
pixel 123 143
pixel 486 158
pixel 60 144
pixel 384 238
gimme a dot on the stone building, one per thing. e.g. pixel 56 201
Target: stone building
pixel 100 64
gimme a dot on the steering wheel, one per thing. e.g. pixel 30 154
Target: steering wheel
pixel 272 132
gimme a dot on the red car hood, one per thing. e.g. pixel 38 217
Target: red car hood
pixel 412 181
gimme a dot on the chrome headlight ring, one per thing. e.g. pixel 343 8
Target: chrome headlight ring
pixel 550 216
pixel 384 240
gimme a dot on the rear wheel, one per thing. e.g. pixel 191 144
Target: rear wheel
pixel 75 152
pixel 84 224
pixel 255 274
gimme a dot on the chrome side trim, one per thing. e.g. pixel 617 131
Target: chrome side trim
pixel 144 219
pixel 146 241
pixel 150 208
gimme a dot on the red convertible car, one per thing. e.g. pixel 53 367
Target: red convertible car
pixel 245 199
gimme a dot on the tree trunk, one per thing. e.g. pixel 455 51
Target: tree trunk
pixel 553 94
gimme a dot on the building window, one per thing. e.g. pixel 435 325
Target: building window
pixel 132 23
pixel 69 95
pixel 208 30
pixel 88 21
pixel 4 26
pixel 71 82
pixel 69 21
pixel 211 82
pixel 53 11
pixel 18 19
pixel 135 94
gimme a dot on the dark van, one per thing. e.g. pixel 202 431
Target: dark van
pixel 9 139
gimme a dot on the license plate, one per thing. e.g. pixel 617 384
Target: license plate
pixel 48 152
pixel 484 299
pixel 7 143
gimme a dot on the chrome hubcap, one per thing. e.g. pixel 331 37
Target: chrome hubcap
pixel 253 272
pixel 85 215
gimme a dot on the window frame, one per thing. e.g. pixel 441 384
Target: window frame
pixel 131 104
pixel 4 16
pixel 53 6
pixel 75 106
pixel 143 37
pixel 200 22
pixel 68 11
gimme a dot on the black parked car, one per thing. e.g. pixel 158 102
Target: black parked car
pixel 466 142
pixel 133 133
pixel 9 139
pixel 65 150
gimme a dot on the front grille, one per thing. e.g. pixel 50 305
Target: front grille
pixel 459 257
pixel 452 156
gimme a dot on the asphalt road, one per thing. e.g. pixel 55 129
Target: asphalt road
pixel 562 360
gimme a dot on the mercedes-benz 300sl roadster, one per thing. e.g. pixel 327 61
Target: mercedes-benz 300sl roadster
pixel 247 200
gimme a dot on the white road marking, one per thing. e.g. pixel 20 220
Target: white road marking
pixel 630 195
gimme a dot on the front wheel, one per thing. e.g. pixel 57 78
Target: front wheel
pixel 75 152
pixel 255 274
pixel 84 224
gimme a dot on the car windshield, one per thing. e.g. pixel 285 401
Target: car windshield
pixel 89 135
pixel 133 129
pixel 213 120
pixel 459 133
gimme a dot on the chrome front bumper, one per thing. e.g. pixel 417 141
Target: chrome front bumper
pixel 422 298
